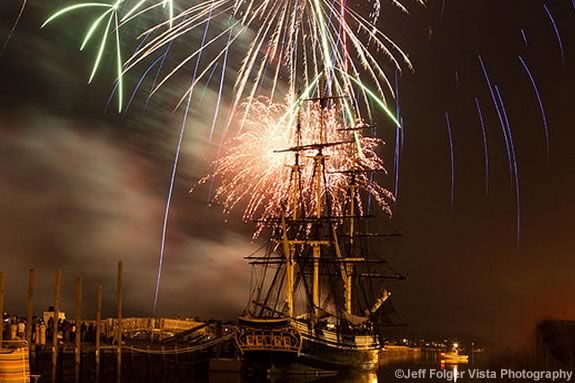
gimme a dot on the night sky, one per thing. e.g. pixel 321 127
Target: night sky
pixel 81 187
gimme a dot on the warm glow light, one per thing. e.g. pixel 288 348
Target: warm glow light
pixel 254 177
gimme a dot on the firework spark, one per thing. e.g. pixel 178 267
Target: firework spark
pixel 451 158
pixel 14 25
pixel 524 37
pixel 497 107
pixel 485 147
pixel 509 137
pixel 293 41
pixel 257 176
pixel 557 34
pixel 111 19
pixel 539 102
pixel 398 141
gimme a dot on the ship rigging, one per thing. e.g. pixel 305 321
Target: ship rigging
pixel 320 294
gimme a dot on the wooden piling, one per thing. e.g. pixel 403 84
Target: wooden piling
pixel 78 334
pixel 132 369
pixel 30 305
pixel 177 363
pixel 149 369
pixel 98 330
pixel 119 313
pixel 163 366
pixel 2 291
pixel 57 291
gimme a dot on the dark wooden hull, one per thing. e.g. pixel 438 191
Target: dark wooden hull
pixel 336 358
pixel 322 350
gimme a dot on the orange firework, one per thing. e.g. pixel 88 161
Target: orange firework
pixel 257 171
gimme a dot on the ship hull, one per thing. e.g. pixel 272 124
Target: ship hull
pixel 318 349
pixel 333 358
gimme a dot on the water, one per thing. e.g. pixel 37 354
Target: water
pixel 397 366
pixel 392 366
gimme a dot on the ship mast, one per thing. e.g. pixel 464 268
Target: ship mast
pixel 288 248
pixel 346 267
pixel 288 252
pixel 349 266
pixel 345 256
pixel 319 163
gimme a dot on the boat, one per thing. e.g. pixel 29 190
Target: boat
pixel 321 295
pixel 453 356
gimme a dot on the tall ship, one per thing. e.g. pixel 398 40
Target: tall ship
pixel 321 287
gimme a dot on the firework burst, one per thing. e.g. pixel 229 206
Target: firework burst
pixel 290 46
pixel 292 42
pixel 256 172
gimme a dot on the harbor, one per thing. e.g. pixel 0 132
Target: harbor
pixel 130 349
pixel 270 191
pixel 138 349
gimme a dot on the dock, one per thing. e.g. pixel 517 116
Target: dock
pixel 57 349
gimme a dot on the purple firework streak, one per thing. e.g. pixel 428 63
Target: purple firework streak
pixel 509 138
pixel 157 75
pixel 557 34
pixel 539 101
pixel 168 202
pixel 485 148
pixel 173 176
pixel 498 110
pixel 451 156
pixel 524 37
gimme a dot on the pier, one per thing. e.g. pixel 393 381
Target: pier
pixel 54 348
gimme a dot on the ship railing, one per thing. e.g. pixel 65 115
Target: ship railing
pixel 255 339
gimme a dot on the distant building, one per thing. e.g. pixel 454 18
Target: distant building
pixel 556 343
pixel 50 314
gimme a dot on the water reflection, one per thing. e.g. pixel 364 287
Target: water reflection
pixel 389 363
pixel 368 377
pixel 225 377
pixel 390 358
